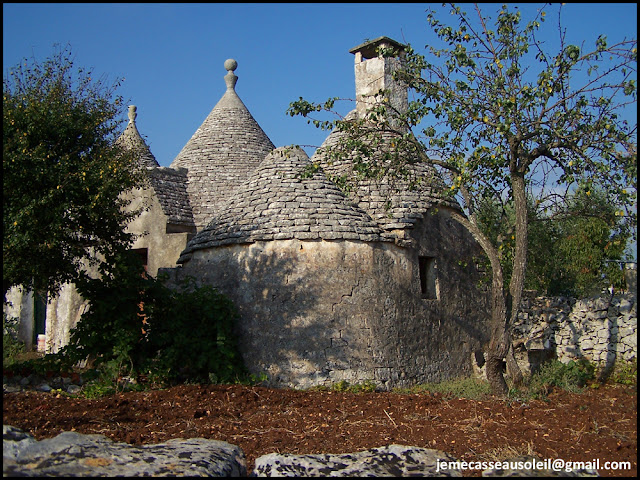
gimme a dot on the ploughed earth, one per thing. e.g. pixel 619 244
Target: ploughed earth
pixel 596 424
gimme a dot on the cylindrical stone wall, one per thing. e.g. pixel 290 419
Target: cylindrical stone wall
pixel 317 312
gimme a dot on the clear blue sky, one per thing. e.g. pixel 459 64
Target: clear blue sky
pixel 172 55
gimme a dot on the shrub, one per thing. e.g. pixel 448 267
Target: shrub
pixel 345 386
pixel 571 376
pixel 11 346
pixel 194 336
pixel 138 327
pixel 625 373
pixel 470 387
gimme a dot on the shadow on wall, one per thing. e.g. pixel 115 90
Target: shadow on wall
pixel 317 312
pixel 281 331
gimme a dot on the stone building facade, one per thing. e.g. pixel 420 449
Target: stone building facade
pixel 379 284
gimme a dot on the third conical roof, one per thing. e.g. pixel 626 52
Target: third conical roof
pixel 132 140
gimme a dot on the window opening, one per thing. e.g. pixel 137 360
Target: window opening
pixel 144 256
pixel 428 280
pixel 39 320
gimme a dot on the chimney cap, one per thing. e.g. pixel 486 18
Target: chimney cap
pixel 368 48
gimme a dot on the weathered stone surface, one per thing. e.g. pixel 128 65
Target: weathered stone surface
pixel 279 202
pixel 131 139
pixel 602 330
pixel 393 204
pixel 221 154
pixel 170 185
pixel 389 461
pixel 76 455
pixel 17 383
pixel 346 310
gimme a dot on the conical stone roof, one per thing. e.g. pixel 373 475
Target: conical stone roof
pixel 131 139
pixel 394 205
pixel 279 202
pixel 222 153
pixel 168 184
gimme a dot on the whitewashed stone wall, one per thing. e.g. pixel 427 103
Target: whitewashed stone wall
pixel 602 330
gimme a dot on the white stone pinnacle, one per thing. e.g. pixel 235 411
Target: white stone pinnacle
pixel 132 113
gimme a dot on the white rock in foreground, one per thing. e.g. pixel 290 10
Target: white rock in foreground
pixel 389 461
pixel 72 454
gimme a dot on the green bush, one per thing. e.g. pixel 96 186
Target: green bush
pixel 137 327
pixel 193 336
pixel 470 387
pixel 572 376
pixel 11 346
pixel 625 373
pixel 345 386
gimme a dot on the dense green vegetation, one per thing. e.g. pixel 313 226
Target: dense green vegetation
pixel 62 174
pixel 137 331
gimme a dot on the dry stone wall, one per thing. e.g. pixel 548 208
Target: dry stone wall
pixel 601 329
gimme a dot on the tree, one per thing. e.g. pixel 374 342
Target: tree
pixel 136 324
pixel 590 245
pixel 575 250
pixel 502 118
pixel 62 174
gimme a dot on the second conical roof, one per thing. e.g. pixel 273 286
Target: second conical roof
pixel 222 152
pixel 282 200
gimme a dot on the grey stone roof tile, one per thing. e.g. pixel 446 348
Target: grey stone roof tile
pixel 257 212
pixel 392 206
pixel 170 186
pixel 222 153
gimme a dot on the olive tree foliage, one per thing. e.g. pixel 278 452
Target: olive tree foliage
pixel 503 118
pixel 62 173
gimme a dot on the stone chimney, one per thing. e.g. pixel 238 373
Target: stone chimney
pixel 374 72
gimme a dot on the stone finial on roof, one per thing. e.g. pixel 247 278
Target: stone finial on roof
pixel 132 113
pixel 131 139
pixel 230 78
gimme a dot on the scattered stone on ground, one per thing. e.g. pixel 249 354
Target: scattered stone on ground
pixel 389 461
pixel 73 454
pixel 78 455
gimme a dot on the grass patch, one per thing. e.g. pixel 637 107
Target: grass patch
pixel 344 386
pixel 625 373
pixel 572 377
pixel 471 388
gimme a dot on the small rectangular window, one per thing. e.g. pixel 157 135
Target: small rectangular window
pixel 144 256
pixel 428 279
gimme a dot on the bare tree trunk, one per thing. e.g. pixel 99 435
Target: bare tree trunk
pixel 513 369
pixel 500 340
pixel 516 285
